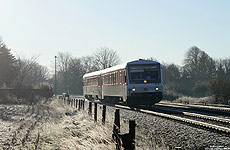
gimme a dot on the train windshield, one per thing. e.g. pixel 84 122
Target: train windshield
pixel 144 74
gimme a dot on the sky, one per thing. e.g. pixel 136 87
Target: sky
pixel 162 29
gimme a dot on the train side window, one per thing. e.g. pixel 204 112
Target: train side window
pixel 110 79
pixel 113 79
pixel 101 80
pixel 120 76
pixel 106 81
pixel 116 77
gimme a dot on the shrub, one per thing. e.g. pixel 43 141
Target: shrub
pixel 220 88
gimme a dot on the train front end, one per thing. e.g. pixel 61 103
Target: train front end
pixel 144 82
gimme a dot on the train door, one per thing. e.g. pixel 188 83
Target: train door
pixel 124 85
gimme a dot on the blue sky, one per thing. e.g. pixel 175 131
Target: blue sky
pixel 162 29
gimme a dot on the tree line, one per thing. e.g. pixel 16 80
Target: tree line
pixel 20 73
pixel 199 76
pixel 70 70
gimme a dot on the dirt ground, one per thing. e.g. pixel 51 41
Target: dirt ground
pixel 51 126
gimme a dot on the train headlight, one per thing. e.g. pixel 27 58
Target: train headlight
pixel 133 89
pixel 157 88
pixel 145 81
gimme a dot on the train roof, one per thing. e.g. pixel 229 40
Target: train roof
pixel 142 61
pixel 95 73
pixel 121 66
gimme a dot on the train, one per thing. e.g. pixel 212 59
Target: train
pixel 137 82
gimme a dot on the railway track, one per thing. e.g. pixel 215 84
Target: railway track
pixel 176 114
pixel 196 123
pixel 225 111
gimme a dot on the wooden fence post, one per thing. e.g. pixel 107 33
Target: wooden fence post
pixel 95 112
pixel 90 108
pixel 128 139
pixel 76 103
pixel 116 129
pixel 83 104
pixel 79 104
pixel 103 114
pixel 132 126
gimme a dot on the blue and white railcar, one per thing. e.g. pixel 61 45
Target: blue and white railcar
pixel 136 82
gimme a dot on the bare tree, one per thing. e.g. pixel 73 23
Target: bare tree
pixel 223 68
pixel 198 64
pixel 106 57
pixel 30 73
pixel 25 67
pixel 76 72
pixel 88 64
pixel 63 76
pixel 63 60
pixel 152 59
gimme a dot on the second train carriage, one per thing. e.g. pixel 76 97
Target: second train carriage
pixel 135 83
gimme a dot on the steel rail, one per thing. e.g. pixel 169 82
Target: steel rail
pixel 181 119
pixel 214 127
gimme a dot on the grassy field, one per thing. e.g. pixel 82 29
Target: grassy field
pixel 51 126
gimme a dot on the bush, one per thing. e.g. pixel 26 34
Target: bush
pixel 6 97
pixel 220 88
pixel 169 92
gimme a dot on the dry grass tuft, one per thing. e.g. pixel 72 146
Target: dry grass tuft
pixel 194 100
pixel 77 131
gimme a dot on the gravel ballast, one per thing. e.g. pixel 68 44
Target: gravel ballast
pixel 153 132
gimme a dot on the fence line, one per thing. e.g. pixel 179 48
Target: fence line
pixel 127 140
